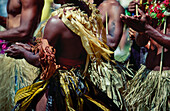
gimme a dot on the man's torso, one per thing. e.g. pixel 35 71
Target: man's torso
pixel 14 13
pixel 68 44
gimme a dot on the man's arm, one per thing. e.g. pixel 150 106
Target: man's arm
pixel 3 21
pixel 159 37
pixel 140 24
pixel 52 33
pixel 30 13
pixel 19 51
pixel 114 18
pixel 132 6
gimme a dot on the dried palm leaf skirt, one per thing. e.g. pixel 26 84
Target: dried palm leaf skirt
pixel 67 90
pixel 149 90
pixel 14 74
pixel 110 78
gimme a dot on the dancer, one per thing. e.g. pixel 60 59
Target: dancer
pixel 111 83
pixel 137 54
pixel 149 89
pixel 64 83
pixel 20 24
pixel 111 10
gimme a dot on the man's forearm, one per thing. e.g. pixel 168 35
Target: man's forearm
pixel 3 21
pixel 31 58
pixel 14 34
pixel 159 37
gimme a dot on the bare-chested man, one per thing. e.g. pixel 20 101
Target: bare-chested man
pixel 110 11
pixel 64 86
pixel 20 24
pixel 115 25
pixel 23 18
pixel 150 87
pixel 113 10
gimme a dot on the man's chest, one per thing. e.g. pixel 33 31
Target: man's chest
pixel 14 7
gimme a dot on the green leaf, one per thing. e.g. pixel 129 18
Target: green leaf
pixel 153 15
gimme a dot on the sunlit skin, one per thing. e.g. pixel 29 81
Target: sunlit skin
pixel 23 18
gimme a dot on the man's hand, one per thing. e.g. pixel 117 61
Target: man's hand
pixel 136 22
pixel 25 46
pixel 16 51
pixel 132 34
pixel 132 5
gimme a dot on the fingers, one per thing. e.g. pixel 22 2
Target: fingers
pixel 134 2
pixel 132 32
pixel 137 16
pixel 131 21
pixel 124 17
pixel 14 48
pixel 131 8
pixel 132 5
pixel 25 46
pixel 10 52
pixel 20 44
pixel 11 49
pixel 14 52
pixel 141 12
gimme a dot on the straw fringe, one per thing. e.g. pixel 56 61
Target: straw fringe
pixel 148 90
pixel 110 79
pixel 14 74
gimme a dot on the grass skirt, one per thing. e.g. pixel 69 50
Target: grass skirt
pixel 110 79
pixel 14 74
pixel 148 90
pixel 67 90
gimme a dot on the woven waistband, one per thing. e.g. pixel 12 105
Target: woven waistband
pixel 69 62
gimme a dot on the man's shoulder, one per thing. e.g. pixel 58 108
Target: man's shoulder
pixel 116 8
pixel 111 4
pixel 55 23
pixel 55 20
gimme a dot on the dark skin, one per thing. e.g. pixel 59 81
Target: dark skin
pixel 3 21
pixel 114 10
pixel 154 36
pixel 57 35
pixel 67 45
pixel 112 42
pixel 23 18
pixel 132 5
pixel 115 25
